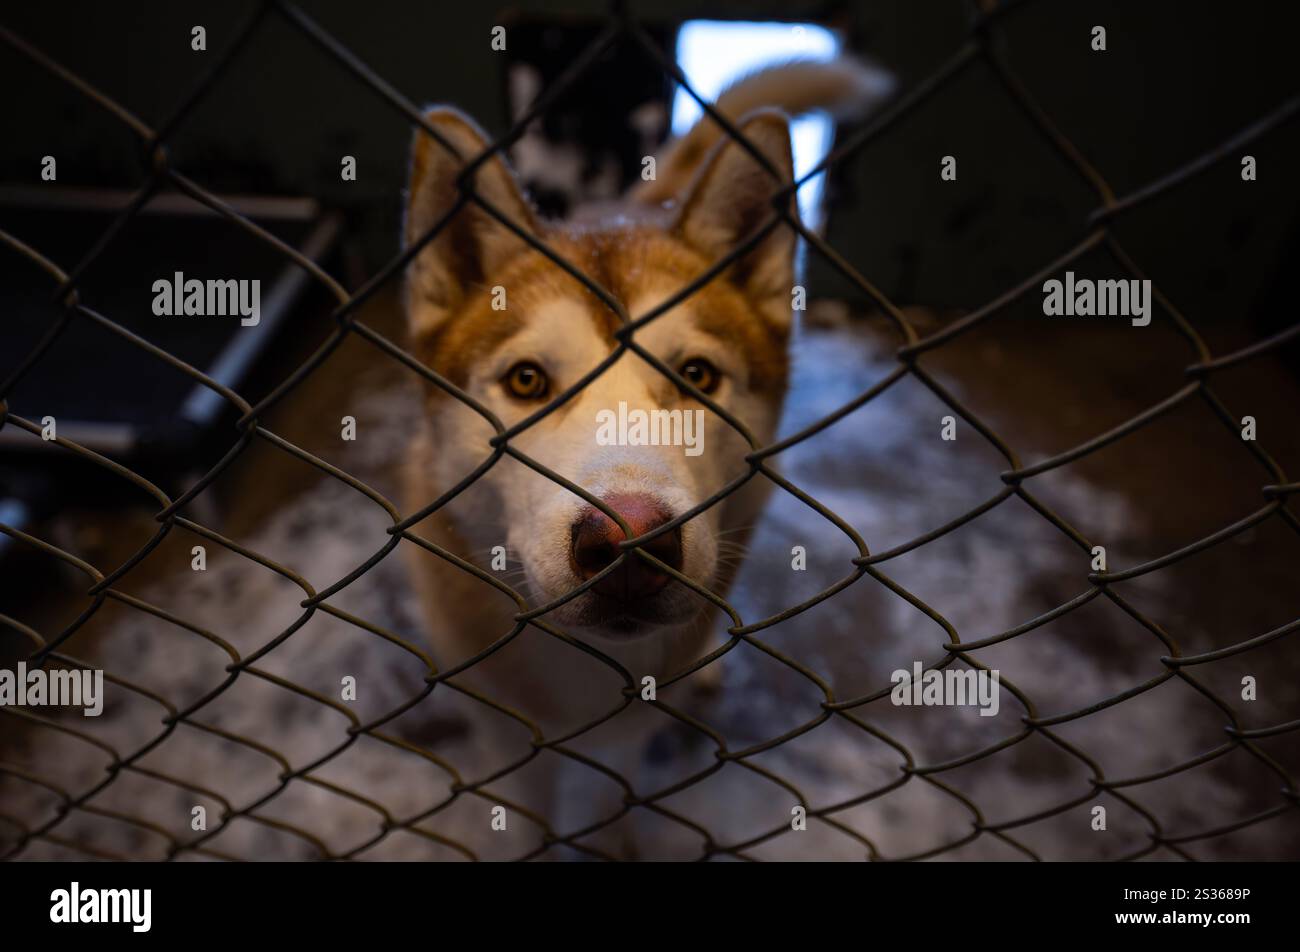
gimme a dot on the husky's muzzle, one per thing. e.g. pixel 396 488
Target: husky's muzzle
pixel 627 594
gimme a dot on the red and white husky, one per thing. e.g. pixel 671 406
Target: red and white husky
pixel 729 340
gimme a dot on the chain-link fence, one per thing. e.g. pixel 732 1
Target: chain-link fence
pixel 984 46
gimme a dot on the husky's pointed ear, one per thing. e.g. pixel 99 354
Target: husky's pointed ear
pixel 732 195
pixel 473 246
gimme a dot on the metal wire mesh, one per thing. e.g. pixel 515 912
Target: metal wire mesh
pixel 982 46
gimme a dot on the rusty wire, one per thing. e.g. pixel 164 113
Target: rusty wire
pixel 980 48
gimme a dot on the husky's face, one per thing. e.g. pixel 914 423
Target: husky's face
pixel 514 331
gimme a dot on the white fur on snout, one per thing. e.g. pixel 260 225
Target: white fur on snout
pixel 544 536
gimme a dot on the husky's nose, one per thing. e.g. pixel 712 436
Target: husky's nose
pixel 596 538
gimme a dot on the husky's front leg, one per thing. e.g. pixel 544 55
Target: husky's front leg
pixel 587 797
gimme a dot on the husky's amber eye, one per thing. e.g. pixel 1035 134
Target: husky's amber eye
pixel 701 374
pixel 526 381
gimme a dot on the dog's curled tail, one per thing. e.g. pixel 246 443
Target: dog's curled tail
pixel 847 88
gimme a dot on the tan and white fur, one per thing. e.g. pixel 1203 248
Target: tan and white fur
pixel 731 336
